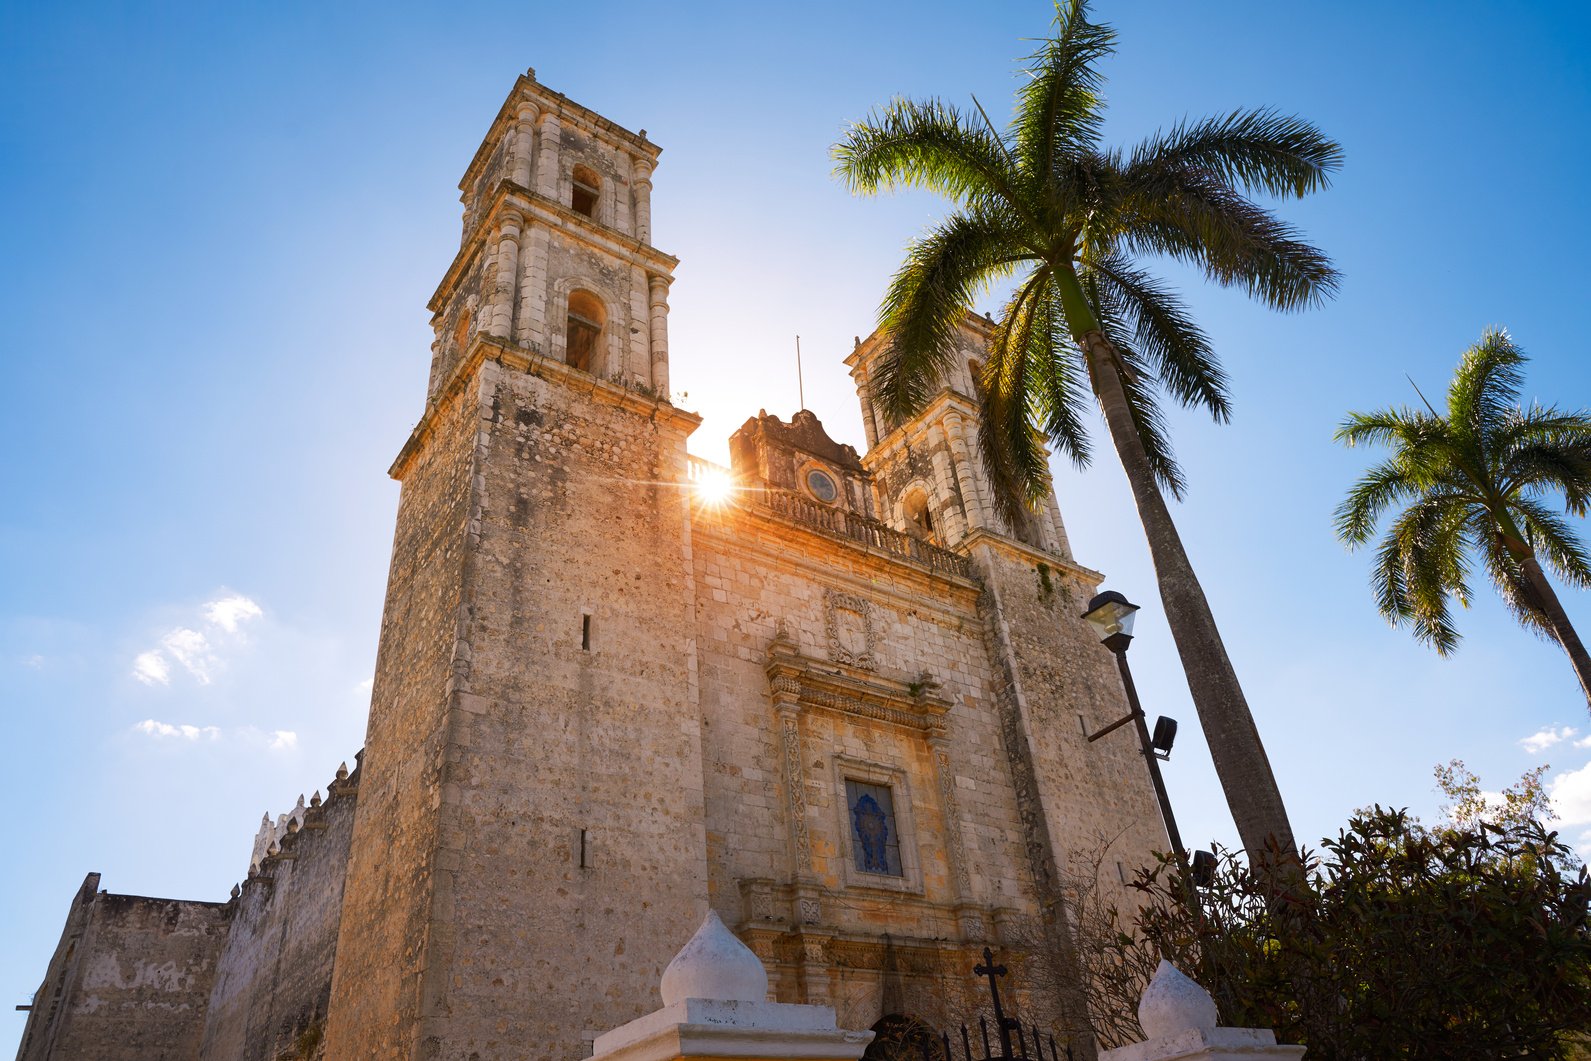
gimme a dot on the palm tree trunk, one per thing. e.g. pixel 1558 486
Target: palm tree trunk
pixel 1546 601
pixel 1240 760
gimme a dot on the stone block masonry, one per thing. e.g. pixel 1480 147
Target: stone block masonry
pixel 844 712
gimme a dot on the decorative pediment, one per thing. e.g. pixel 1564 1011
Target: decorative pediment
pixel 813 684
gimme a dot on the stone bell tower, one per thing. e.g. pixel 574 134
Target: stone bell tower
pixel 529 840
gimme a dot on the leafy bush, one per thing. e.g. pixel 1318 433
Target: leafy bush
pixel 1467 941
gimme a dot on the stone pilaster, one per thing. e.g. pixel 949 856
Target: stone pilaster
pixel 501 312
pixel 547 157
pixel 658 289
pixel 524 143
pixel 641 182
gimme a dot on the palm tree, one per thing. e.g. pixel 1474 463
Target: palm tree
pixel 1045 202
pixel 1475 482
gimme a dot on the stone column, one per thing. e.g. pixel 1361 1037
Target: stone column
pixel 500 315
pixel 968 477
pixel 524 143
pixel 658 289
pixel 864 393
pixel 547 157
pixel 642 183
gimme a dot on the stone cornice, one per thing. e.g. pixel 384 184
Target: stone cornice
pixel 913 430
pixel 510 196
pixel 1000 543
pixel 527 89
pixel 518 358
pixel 829 686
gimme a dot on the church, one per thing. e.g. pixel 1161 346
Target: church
pixel 829 695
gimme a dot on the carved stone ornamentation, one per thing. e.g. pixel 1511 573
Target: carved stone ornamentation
pixel 848 623
pixel 795 792
pixel 954 850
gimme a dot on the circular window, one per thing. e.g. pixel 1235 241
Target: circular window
pixel 822 486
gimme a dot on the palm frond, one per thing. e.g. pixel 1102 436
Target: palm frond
pixel 1554 542
pixel 1166 335
pixel 1257 150
pixel 1377 490
pixel 1013 451
pixel 1486 385
pixel 1420 566
pixel 930 145
pixel 923 307
pixel 1402 426
pixel 1194 218
pixel 1060 108
pixel 1504 569
pixel 1137 384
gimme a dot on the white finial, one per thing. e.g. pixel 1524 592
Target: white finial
pixel 1172 1003
pixel 715 965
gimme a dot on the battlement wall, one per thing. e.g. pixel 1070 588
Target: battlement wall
pixel 273 978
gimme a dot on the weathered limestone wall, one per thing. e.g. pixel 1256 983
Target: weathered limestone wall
pixel 129 981
pixel 273 979
pixel 391 883
pixel 1060 680
pixel 792 890
pixel 574 849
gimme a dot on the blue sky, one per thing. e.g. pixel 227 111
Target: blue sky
pixel 221 224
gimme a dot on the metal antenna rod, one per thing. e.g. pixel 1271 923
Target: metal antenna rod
pixel 801 388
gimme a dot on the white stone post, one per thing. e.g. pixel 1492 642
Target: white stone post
pixel 501 316
pixel 658 289
pixel 715 1005
pixel 642 183
pixel 524 142
pixel 1179 1017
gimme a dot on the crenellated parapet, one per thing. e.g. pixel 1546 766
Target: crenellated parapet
pixel 276 840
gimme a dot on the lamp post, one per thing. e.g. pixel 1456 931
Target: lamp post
pixel 1111 615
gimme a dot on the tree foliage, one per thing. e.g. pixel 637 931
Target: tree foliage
pixel 1467 941
pixel 1477 483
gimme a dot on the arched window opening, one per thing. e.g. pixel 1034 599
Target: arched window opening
pixel 587 187
pixel 584 330
pixel 919 518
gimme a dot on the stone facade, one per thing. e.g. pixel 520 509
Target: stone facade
pixel 844 710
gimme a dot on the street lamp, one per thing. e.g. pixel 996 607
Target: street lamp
pixel 1111 615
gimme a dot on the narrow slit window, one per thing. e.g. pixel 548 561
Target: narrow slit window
pixel 584 861
pixel 585 638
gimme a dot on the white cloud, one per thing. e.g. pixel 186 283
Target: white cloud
pixel 1543 739
pixel 191 649
pixel 284 740
pixel 1583 742
pixel 34 662
pixel 1570 793
pixel 364 687
pixel 229 612
pixel 151 668
pixel 186 732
